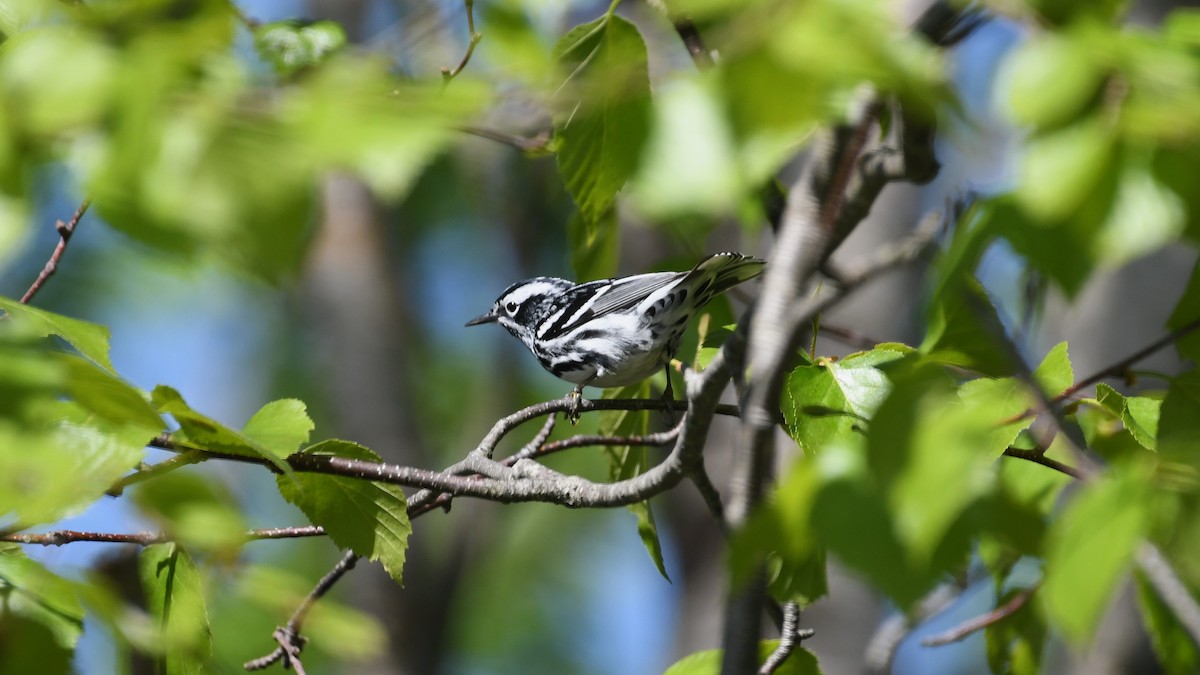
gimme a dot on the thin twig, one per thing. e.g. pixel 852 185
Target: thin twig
pixel 790 636
pixel 448 74
pixel 61 537
pixel 183 459
pixel 65 230
pixel 1038 457
pixel 535 144
pixel 966 628
pixel 289 638
pixel 1118 369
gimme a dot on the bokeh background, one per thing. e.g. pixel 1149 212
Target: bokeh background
pixel 371 338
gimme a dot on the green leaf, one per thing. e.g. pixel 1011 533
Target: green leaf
pixel 1054 373
pixel 602 110
pixel 1062 169
pixel 1177 653
pixel 109 396
pixel 88 339
pixel 1050 78
pixel 930 451
pixel 204 433
pixel 280 426
pixel 781 536
pixel 998 400
pixel 625 462
pixel 594 245
pixel 292 46
pixel 1187 312
pixel 31 592
pixel 963 327
pixel 799 662
pixel 59 466
pixel 366 517
pixel 691 165
pixel 28 646
pixel 175 598
pixel 1088 549
pixel 1141 419
pixel 1178 436
pixel 193 509
pixel 849 391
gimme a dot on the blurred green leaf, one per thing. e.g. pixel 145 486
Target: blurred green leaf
pixel 31 592
pixel 1187 312
pixel 1060 170
pixel 366 517
pixel 1050 78
pixel 292 46
pixel 175 597
pixel 1178 437
pixel 594 245
pixel 59 465
pixel 204 433
pixel 800 662
pixel 281 426
pixel 89 339
pixel 602 110
pixel 57 77
pixel 780 534
pixel 195 510
pixel 335 628
pixel 691 166
pixel 1088 548
pixel 626 461
pixel 929 451
pixel 1177 653
pixel 28 646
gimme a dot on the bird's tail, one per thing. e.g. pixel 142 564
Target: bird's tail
pixel 722 271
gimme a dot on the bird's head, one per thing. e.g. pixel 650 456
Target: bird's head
pixel 522 306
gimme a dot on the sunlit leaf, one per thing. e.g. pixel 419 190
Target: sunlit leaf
pixel 88 339
pixel 204 433
pixel 281 426
pixel 366 517
pixel 602 110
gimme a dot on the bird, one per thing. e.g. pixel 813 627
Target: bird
pixel 613 332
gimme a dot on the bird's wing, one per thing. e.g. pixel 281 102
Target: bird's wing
pixel 628 292
pixel 597 298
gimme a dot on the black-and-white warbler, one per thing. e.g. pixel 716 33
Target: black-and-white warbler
pixel 613 332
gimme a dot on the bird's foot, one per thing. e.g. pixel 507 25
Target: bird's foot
pixel 575 399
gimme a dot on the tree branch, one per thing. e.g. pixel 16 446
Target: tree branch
pixel 965 629
pixel 449 74
pixel 65 230
pixel 61 537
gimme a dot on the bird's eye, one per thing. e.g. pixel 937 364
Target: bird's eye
pixel 511 307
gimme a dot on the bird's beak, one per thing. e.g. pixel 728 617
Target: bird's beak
pixel 489 317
